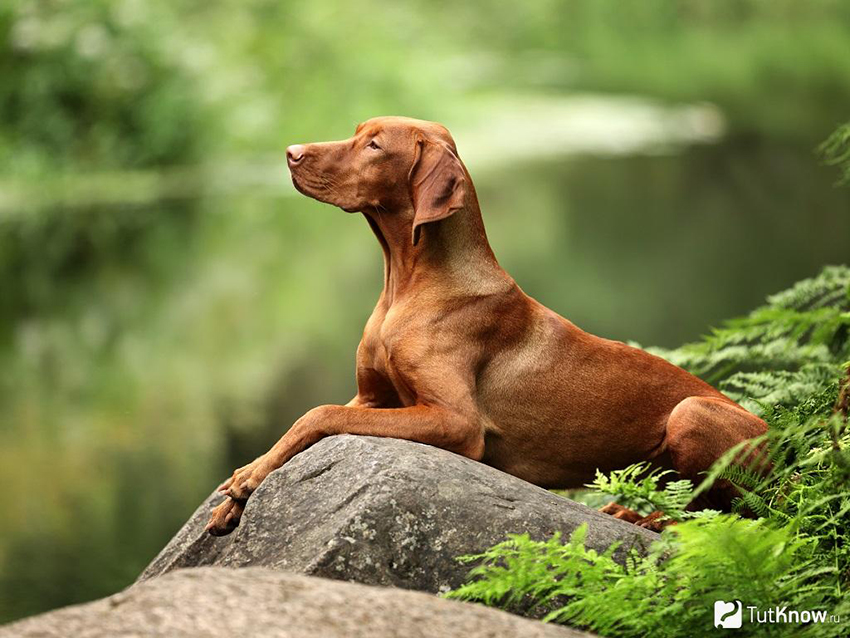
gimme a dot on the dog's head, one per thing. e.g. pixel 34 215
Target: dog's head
pixel 396 165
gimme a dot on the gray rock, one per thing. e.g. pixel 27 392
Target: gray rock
pixel 214 601
pixel 383 511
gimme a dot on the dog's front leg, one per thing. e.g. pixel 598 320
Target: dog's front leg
pixel 458 431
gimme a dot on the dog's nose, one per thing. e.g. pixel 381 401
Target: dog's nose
pixel 294 154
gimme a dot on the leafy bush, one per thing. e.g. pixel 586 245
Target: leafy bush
pixel 94 85
pixel 795 554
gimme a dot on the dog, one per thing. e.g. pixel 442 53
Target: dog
pixel 457 356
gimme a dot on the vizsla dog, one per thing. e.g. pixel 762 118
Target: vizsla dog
pixel 455 355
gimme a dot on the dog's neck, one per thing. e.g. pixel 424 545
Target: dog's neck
pixel 453 252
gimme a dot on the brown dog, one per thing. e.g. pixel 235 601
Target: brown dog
pixel 455 355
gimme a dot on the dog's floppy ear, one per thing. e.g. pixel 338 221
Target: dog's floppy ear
pixel 437 184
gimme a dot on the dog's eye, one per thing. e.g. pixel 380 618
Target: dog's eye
pixel 374 145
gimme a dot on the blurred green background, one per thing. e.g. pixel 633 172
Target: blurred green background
pixel 169 305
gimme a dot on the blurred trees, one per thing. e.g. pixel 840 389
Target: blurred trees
pixel 95 84
pixel 136 83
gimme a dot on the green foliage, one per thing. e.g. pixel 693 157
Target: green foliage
pixel 807 487
pixel 669 592
pixel 521 574
pixel 94 84
pixel 836 151
pixel 86 86
pixel 779 353
pixel 796 553
pixel 150 83
pixel 728 53
pixel 644 490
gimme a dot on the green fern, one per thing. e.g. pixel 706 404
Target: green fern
pixel 800 335
pixel 670 592
pixel 836 151
pixel 640 488
pixel 755 390
pixel 741 477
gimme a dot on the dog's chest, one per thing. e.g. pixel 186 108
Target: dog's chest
pixel 373 351
pixel 378 358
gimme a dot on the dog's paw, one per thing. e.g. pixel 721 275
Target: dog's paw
pixel 623 513
pixel 655 522
pixel 225 517
pixel 245 480
pixel 237 475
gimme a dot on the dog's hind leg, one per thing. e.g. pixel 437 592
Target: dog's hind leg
pixel 699 431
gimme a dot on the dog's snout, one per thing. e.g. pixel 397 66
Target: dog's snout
pixel 294 154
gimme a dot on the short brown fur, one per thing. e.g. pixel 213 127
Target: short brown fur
pixel 455 355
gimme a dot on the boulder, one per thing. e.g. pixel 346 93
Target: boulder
pixel 383 511
pixel 214 601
